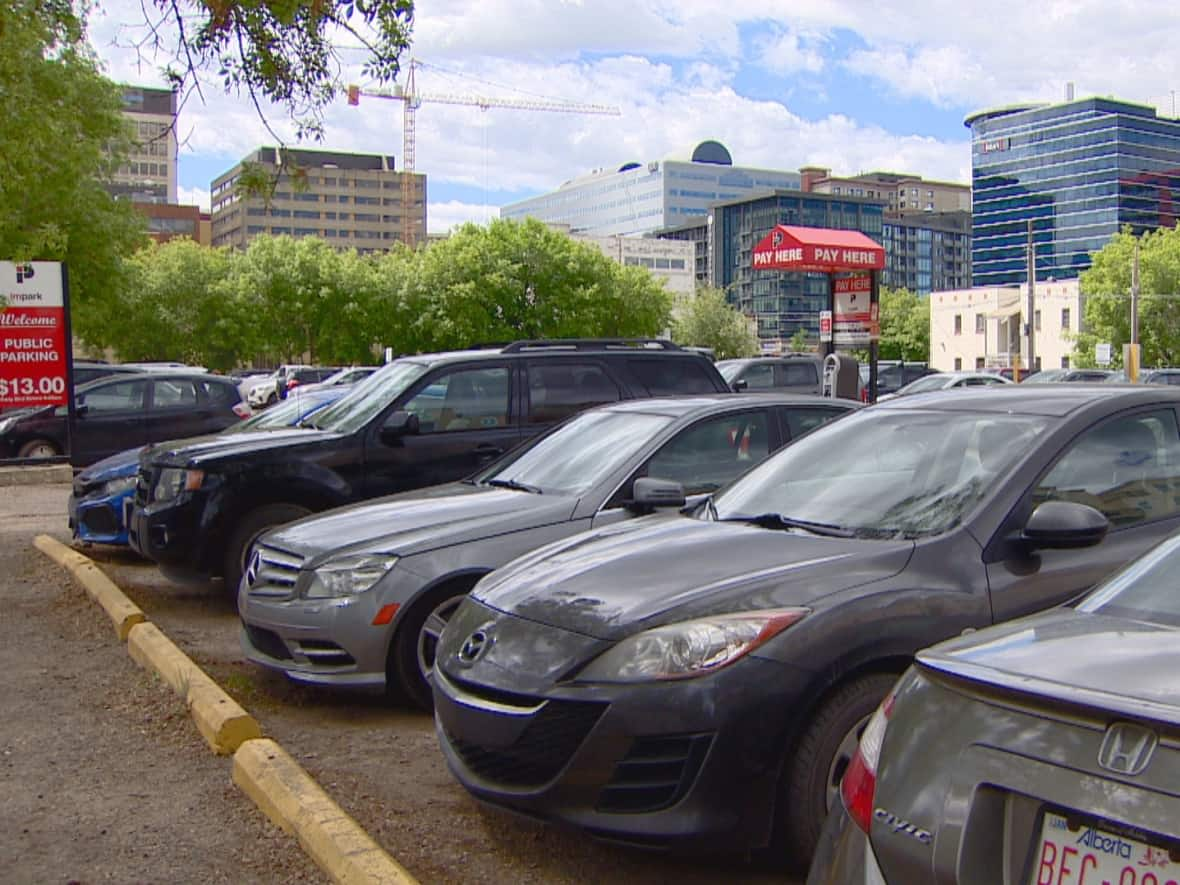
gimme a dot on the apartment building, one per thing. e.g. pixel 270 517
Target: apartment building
pixel 149 173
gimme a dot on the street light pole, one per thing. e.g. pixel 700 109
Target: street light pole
pixel 1031 361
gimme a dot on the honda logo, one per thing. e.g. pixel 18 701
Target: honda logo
pixel 1127 748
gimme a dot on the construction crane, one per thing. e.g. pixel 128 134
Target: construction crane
pixel 412 99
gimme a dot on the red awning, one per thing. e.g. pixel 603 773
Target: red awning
pixel 817 249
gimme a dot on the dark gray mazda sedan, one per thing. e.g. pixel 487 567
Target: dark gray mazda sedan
pixel 1039 751
pixel 704 679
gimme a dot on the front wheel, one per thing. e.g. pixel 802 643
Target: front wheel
pixel 248 530
pixel 412 652
pixel 813 772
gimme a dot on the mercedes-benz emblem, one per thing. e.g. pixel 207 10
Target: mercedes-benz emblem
pixel 473 647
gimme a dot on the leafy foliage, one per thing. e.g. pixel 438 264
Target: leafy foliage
pixel 58 117
pixel 710 321
pixel 905 326
pixel 1106 288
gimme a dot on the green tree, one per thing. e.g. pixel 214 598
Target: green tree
pixel 799 342
pixel 61 133
pixel 710 321
pixel 513 280
pixel 1106 289
pixel 905 326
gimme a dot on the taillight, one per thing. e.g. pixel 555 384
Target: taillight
pixel 864 395
pixel 242 410
pixel 860 780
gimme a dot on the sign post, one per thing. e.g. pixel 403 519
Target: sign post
pixel 1102 353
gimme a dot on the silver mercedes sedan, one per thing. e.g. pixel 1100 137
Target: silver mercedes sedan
pixel 1045 750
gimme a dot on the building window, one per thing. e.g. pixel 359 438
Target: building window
pixel 958 324
pixel 1065 317
pixel 958 364
pixel 1065 362
pixel 980 324
pixel 979 362
pixel 1037 320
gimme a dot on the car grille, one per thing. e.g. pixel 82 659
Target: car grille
pixel 268 642
pixel 542 750
pixel 655 773
pixel 272 574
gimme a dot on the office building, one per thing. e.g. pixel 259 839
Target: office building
pixel 669 261
pixel 148 175
pixel 351 200
pixel 167 221
pixel 638 198
pixel 1078 171
pixel 902 193
pixel 981 328
pixel 927 251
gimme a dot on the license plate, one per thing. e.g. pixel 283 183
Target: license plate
pixel 1093 856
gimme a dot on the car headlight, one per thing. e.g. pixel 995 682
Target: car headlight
pixel 690 648
pixel 347 576
pixel 174 480
pixel 118 486
pixel 6 425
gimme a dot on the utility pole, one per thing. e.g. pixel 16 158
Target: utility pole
pixel 1131 358
pixel 1030 352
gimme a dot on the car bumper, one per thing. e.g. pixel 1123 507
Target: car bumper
pixel 318 641
pixel 171 535
pixel 691 765
pixel 101 519
pixel 844 855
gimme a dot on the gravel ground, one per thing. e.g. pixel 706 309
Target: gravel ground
pixel 381 763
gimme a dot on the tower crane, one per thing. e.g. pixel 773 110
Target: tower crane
pixel 412 99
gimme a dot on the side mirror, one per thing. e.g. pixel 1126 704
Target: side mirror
pixel 739 385
pixel 1064 525
pixel 648 493
pixel 399 424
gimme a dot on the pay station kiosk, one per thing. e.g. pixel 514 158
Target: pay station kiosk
pixel 851 261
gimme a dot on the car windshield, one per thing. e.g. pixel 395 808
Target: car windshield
pixel 729 369
pixel 282 415
pixel 929 382
pixel 1146 590
pixel 578 454
pixel 370 397
pixel 881 473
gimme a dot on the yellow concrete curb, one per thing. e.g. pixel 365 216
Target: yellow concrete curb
pixel 219 718
pixel 297 804
pixel 36 475
pixel 124 613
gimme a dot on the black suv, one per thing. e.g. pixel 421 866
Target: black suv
pixel 791 373
pixel 419 421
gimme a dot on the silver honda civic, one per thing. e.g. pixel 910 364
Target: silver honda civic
pixel 1045 750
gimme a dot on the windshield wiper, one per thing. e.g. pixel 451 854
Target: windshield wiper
pixel 515 484
pixel 778 521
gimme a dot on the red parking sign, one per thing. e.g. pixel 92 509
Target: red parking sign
pixel 34 337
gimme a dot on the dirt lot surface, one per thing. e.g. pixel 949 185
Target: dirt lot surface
pixel 105 778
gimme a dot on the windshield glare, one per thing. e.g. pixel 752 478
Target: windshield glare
pixel 930 382
pixel 1143 591
pixel 369 397
pixel 579 453
pixel 729 369
pixel 885 474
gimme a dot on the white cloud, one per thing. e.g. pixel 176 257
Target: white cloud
pixel 193 196
pixel 442 217
pixel 783 53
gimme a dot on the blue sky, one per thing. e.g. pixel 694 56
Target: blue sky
pixel 847 84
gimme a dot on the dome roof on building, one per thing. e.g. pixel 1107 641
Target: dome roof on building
pixel 712 152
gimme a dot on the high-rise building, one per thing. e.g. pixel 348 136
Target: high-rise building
pixel 148 175
pixel 350 200
pixel 1078 171
pixel 638 198
pixel 927 251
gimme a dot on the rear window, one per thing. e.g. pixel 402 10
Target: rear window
pixel 668 377
pixel 220 394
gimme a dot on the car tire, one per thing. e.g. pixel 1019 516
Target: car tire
pixel 38 448
pixel 817 761
pixel 411 653
pixel 247 531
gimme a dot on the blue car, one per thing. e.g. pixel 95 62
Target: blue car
pixel 102 493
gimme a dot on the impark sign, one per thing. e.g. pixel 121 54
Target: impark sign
pixel 34 334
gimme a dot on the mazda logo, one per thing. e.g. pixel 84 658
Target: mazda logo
pixel 473 647
pixel 1127 748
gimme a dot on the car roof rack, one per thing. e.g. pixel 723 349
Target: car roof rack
pixel 591 344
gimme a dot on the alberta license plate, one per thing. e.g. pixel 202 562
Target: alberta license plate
pixel 1093 856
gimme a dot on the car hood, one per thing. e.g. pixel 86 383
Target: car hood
pixel 117 466
pixel 425 519
pixel 200 450
pixel 614 582
pixel 1064 654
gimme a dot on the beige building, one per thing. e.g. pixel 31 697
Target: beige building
pixel 982 328
pixel 902 193
pixel 149 173
pixel 350 200
pixel 671 261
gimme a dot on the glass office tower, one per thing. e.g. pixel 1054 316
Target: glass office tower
pixel 1079 171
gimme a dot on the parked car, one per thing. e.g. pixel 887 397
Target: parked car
pixel 264 391
pixel 113 413
pixel 1057 376
pixel 404 563
pixel 947 381
pixel 891 377
pixel 791 373
pixel 86 371
pixel 102 494
pixel 703 679
pixel 419 421
pixel 1050 738
pixel 307 375
pixel 165 366
pixel 345 376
